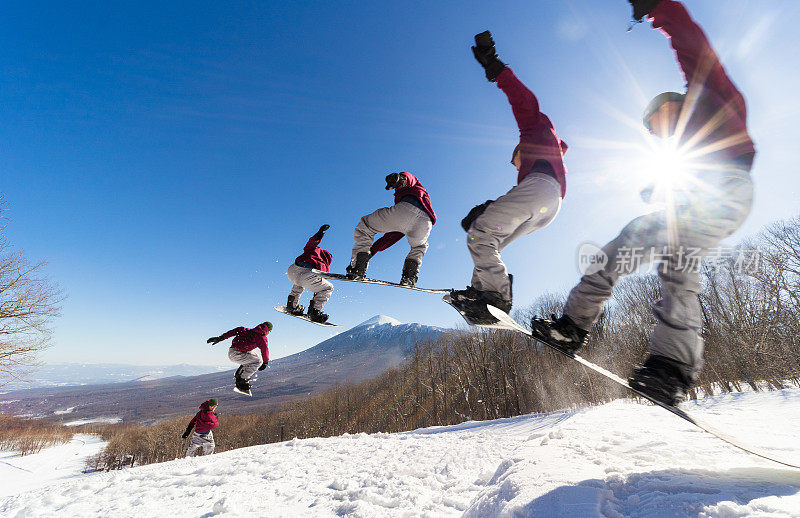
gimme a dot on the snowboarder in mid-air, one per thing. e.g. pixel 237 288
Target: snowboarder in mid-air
pixel 411 216
pixel 530 205
pixel 302 276
pixel 707 125
pixel 203 423
pixel 242 351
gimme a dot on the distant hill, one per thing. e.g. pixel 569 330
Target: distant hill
pixel 359 353
pixel 71 374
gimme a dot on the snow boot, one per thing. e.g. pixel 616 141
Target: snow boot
pixel 241 383
pixel 316 315
pixel 473 303
pixel 471 296
pixel 559 332
pixel 493 298
pixel 358 271
pixel 293 307
pixel 410 272
pixel 663 379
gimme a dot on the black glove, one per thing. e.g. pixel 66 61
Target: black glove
pixel 642 8
pixel 476 211
pixel 486 55
pixel 395 181
pixel 263 366
pixel 187 432
pixel 214 340
pixel 321 232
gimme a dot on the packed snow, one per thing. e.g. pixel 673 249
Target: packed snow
pixel 96 420
pixel 51 465
pixel 619 459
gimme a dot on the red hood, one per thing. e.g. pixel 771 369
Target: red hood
pixel 261 329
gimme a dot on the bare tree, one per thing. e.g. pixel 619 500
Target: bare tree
pixel 28 303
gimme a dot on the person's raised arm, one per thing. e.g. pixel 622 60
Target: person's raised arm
pixel 696 57
pixel 216 339
pixel 315 240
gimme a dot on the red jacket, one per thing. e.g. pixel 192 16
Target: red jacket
pixel 205 420
pixel 717 128
pixel 412 188
pixel 313 254
pixel 248 339
pixel 537 137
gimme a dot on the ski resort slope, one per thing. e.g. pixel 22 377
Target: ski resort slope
pixel 49 466
pixel 619 459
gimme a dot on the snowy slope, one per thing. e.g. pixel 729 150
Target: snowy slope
pixel 620 459
pixel 49 466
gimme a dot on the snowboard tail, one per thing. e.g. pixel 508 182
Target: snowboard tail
pixel 240 391
pixel 512 325
pixel 282 309
pixel 486 319
pixel 340 277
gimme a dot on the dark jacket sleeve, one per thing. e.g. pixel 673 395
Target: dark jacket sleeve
pixel 385 241
pixel 264 351
pixel 193 422
pixel 523 103
pixel 232 332
pixel 696 56
pixel 312 244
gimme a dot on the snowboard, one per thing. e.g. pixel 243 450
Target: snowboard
pixel 248 393
pixel 340 277
pixel 488 321
pixel 509 323
pixel 282 309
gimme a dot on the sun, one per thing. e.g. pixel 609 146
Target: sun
pixel 665 166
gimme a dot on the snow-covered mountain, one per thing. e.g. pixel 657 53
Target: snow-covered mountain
pixel 70 374
pixel 357 354
pixel 382 337
pixel 622 459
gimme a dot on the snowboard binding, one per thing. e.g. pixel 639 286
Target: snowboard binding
pixel 559 332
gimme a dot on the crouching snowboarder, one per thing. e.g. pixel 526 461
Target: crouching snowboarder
pixel 708 127
pixel 411 216
pixel 203 423
pixel 302 276
pixel 242 351
pixel 530 205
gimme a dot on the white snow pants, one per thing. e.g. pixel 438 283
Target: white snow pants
pixel 403 217
pixel 717 208
pixel 250 361
pixel 201 440
pixel 305 278
pixel 528 206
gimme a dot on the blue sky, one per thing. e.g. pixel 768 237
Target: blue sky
pixel 169 162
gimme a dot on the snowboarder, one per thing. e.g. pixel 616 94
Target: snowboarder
pixel 707 124
pixel 530 205
pixel 203 423
pixel 302 276
pixel 242 351
pixel 411 216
